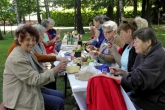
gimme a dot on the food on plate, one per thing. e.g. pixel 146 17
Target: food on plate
pixel 84 59
pixel 77 60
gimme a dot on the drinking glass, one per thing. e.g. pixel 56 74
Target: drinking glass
pixel 104 70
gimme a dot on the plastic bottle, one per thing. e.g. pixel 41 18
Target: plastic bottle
pixel 79 40
pixel 68 39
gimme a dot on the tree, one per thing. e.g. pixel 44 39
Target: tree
pixel 110 10
pixel 23 8
pixel 47 8
pixel 75 15
pixel 120 11
pixel 97 4
pixel 79 18
pixel 121 8
pixel 1 37
pixel 16 11
pixel 5 13
pixel 38 11
pixel 11 18
pixel 148 12
pixel 143 8
pixel 135 8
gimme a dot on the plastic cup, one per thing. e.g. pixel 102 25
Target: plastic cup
pixel 104 71
pixel 72 57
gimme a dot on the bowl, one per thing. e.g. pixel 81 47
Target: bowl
pixel 72 69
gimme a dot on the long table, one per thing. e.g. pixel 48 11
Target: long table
pixel 79 90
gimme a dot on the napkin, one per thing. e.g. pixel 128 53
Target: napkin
pixel 67 54
pixel 104 66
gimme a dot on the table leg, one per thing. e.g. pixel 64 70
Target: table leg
pixel 66 82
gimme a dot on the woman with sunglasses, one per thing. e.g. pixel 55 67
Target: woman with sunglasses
pixel 110 33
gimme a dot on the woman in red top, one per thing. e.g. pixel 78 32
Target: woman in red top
pixel 48 42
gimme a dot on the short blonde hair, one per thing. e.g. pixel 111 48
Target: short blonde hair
pixel 141 22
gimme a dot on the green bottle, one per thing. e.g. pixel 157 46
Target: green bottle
pixel 68 39
pixel 79 40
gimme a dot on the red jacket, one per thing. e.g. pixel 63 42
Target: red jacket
pixel 103 93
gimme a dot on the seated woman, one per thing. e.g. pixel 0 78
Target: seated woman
pixel 39 47
pixel 110 32
pixel 24 78
pixel 40 57
pixel 114 48
pixel 98 21
pixel 48 42
pixel 146 80
pixel 54 33
pixel 127 59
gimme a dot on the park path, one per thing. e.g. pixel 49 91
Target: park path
pixel 8 28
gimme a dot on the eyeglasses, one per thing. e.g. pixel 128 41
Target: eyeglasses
pixel 107 32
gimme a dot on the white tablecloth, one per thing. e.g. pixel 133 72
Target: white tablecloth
pixel 79 90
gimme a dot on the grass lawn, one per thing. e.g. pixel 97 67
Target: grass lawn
pixel 69 101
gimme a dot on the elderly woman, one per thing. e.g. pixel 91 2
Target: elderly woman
pixel 141 22
pixel 98 21
pixel 39 47
pixel 146 81
pixel 53 33
pixel 127 59
pixel 110 33
pixel 48 42
pixel 40 57
pixel 23 77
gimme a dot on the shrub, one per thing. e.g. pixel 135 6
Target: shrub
pixel 66 18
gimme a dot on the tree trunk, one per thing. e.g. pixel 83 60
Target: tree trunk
pixel 11 29
pixel 38 12
pixel 121 10
pixel 24 21
pixel 148 12
pixel 1 37
pixel 117 12
pixel 110 12
pixel 79 18
pixel 20 19
pixel 135 8
pixel 143 8
pixel 16 11
pixel 4 26
pixel 75 15
pixel 47 9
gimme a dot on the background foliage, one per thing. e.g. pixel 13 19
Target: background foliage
pixel 66 18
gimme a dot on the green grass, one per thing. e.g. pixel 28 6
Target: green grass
pixel 69 101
